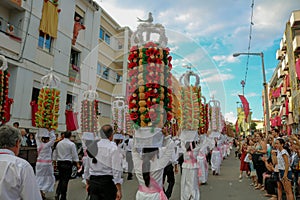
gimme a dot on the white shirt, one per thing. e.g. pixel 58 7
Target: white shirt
pixel 17 180
pixel 44 149
pixel 157 165
pixel 129 146
pixel 281 164
pixel 65 151
pixel 108 162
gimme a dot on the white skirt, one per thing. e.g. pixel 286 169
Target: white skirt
pixel 45 176
pixel 189 184
pixel 204 169
pixel 215 161
pixel 147 196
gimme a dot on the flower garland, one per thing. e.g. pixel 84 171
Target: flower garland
pixel 4 80
pixel 150 93
pixel 48 107
pixel 89 111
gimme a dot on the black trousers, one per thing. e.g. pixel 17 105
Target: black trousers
pixel 180 161
pixel 65 171
pixel 102 188
pixel 260 169
pixel 169 173
pixel 130 163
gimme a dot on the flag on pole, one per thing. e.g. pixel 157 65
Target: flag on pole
pixel 245 106
pixel 237 126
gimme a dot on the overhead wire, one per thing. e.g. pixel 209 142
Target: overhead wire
pixel 249 43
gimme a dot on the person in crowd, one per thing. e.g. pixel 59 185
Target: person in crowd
pixel 285 171
pixel 252 171
pixel 216 159
pixel 16 125
pixel 169 170
pixel 103 168
pixel 24 138
pixel 189 180
pixel 244 166
pixel 44 169
pixel 149 168
pixel 17 180
pixel 31 141
pixel 260 150
pixel 128 148
pixel 64 155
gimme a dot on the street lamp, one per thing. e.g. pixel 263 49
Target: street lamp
pixel 261 54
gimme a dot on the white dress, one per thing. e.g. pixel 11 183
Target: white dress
pixel 203 167
pixel 216 160
pixel 189 178
pixel 44 169
pixel 155 189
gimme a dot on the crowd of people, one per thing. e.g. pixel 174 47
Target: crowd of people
pixel 272 162
pixel 104 162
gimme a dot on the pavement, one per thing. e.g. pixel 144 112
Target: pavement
pixel 226 186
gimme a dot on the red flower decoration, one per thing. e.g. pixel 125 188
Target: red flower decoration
pixel 150 44
pixel 133 48
pixel 133 72
pixel 169 116
pixel 132 65
pixel 134 116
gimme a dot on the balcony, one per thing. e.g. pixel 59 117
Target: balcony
pixel 279 54
pixel 275 107
pixel 295 18
pixel 282 45
pixel 296 43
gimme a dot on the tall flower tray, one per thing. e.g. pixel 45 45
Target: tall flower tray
pixel 149 84
pixel 215 118
pixel 191 106
pixel 46 117
pixel 119 110
pixel 89 112
pixel 5 101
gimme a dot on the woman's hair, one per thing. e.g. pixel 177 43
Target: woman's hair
pixel 45 139
pixel 148 154
pixel 285 146
pixel 188 146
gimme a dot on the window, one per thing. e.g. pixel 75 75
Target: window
pixel 74 59
pixel 45 41
pixel 70 102
pixel 119 78
pixel 105 73
pixel 35 94
pixel 101 34
pixel 80 14
pixel 107 38
pixel 105 109
pixel 98 69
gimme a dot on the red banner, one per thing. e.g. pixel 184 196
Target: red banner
pixel 237 127
pixel 245 106
pixel 298 68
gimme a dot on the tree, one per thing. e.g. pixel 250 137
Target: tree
pixel 253 126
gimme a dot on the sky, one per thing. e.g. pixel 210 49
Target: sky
pixel 204 34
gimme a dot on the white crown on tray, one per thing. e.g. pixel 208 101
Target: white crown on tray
pixel 148 137
pixel 148 32
pixel 188 136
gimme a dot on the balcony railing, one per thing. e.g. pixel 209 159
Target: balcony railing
pixel 295 18
pixel 296 43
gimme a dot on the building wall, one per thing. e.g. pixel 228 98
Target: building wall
pixel 35 62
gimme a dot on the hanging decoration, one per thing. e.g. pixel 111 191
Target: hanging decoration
pixel 5 101
pixel 89 111
pixel 48 103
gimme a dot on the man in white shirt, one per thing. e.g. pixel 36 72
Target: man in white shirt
pixel 128 148
pixel 17 180
pixel 65 154
pixel 103 170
